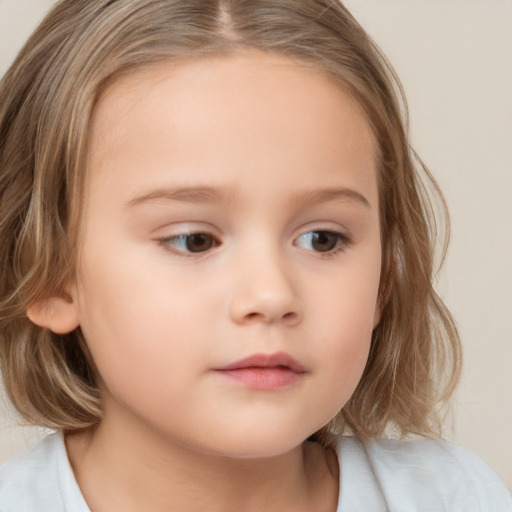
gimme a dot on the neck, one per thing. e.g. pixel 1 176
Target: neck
pixel 120 468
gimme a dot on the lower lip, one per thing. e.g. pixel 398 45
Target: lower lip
pixel 263 378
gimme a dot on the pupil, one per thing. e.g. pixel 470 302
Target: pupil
pixel 323 241
pixel 199 242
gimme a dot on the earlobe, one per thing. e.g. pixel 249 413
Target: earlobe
pixel 57 313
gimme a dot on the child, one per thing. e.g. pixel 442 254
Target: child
pixel 217 268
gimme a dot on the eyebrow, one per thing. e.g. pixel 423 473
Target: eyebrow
pixel 202 194
pixel 314 197
pixel 182 194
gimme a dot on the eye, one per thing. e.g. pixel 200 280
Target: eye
pixel 322 241
pixel 190 243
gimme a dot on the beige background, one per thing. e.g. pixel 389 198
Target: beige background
pixel 455 61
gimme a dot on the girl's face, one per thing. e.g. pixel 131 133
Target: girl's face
pixel 232 213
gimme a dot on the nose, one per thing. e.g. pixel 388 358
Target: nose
pixel 264 292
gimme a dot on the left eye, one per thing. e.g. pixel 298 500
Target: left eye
pixel 322 241
pixel 193 243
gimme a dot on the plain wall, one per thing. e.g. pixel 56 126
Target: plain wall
pixel 455 61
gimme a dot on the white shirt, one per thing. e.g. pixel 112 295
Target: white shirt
pixel 381 476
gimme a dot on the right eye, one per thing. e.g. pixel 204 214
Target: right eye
pixel 191 243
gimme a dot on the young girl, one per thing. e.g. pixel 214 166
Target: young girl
pixel 217 268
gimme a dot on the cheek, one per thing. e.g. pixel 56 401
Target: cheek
pixel 345 353
pixel 344 331
pixel 138 326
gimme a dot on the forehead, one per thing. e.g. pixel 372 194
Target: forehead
pixel 247 110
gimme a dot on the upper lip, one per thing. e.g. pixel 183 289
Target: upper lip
pixel 279 359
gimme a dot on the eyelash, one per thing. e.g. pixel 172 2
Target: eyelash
pixel 341 240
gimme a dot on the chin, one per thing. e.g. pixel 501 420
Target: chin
pixel 250 445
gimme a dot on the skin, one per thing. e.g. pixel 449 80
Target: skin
pixel 277 145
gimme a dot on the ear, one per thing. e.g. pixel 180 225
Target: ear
pixel 57 313
pixel 386 286
pixel 377 314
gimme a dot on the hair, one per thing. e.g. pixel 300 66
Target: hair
pixel 47 100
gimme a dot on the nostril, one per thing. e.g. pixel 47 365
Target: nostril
pixel 265 307
pixel 256 316
pixel 290 318
pixel 253 316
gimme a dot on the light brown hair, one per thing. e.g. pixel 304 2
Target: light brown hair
pixel 47 100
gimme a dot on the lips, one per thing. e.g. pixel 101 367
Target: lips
pixel 264 371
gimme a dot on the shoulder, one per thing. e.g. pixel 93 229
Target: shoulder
pixel 30 481
pixel 426 475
